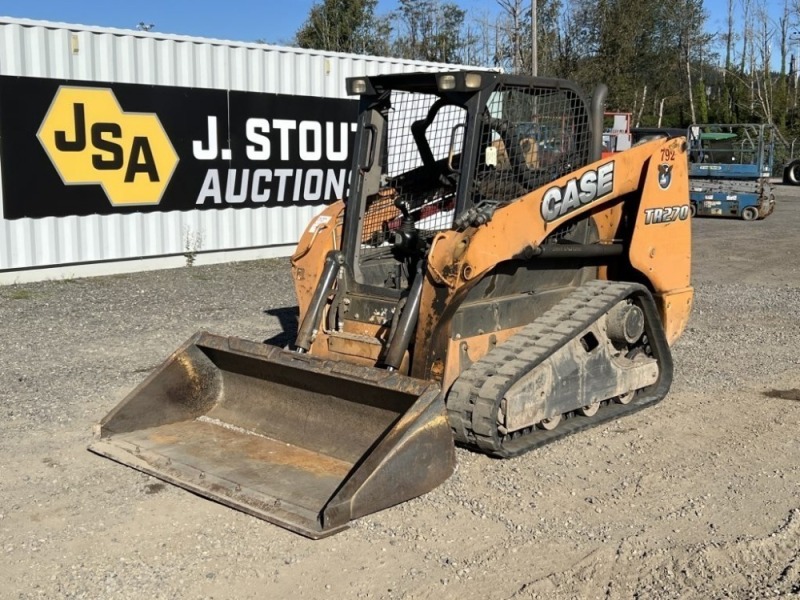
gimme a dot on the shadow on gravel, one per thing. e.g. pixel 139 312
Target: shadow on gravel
pixel 154 488
pixel 287 317
pixel 784 394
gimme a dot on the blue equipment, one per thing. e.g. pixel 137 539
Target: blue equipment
pixel 729 170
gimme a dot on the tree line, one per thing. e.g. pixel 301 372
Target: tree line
pixel 659 59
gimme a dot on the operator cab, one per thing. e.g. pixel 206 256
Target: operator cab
pixel 438 151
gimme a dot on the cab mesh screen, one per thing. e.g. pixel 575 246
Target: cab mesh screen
pixel 529 137
pixel 424 144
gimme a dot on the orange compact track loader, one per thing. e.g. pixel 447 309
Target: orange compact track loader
pixel 490 281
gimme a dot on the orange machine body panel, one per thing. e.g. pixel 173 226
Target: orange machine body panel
pixel 647 184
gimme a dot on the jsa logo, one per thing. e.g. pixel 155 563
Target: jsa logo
pixel 91 140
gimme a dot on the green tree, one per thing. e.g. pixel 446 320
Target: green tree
pixel 430 30
pixel 701 101
pixel 648 52
pixel 627 46
pixel 345 26
pixel 514 45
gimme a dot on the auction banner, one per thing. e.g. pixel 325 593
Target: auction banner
pixel 82 148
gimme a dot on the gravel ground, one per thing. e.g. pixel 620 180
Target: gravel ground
pixel 698 497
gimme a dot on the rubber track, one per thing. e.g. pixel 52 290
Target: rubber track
pixel 474 399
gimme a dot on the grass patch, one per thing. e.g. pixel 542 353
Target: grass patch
pixel 20 295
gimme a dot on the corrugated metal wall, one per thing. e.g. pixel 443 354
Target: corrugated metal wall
pixel 57 50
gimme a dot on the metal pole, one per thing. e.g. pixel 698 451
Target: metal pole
pixel 534 41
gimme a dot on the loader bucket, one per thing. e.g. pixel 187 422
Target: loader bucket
pixel 303 442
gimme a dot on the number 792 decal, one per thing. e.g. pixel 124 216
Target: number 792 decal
pixel 666 214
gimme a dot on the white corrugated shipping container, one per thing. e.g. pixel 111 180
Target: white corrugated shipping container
pixel 67 246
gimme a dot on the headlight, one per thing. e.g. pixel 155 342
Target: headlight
pixel 472 81
pixel 357 86
pixel 447 82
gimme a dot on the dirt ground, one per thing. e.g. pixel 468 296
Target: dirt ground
pixel 698 497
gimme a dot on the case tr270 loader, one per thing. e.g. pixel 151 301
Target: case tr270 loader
pixel 489 281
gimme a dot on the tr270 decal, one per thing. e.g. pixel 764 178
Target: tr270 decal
pixel 666 214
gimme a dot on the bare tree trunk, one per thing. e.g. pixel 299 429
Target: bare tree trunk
pixel 484 52
pixel 688 17
pixel 689 81
pixel 784 32
pixel 515 38
pixel 746 33
pixel 497 57
pixel 762 87
pixel 641 108
pixel 753 73
pixel 513 31
pixel 534 38
pixel 728 41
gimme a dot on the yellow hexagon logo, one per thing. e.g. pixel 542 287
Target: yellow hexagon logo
pixel 92 141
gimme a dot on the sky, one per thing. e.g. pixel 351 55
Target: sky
pixel 275 21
